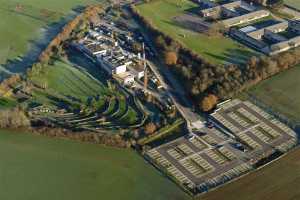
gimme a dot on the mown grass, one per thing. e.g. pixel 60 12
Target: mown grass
pixel 65 79
pixel 7 103
pixel 74 87
pixel 281 93
pixel 215 49
pixel 293 3
pixel 36 167
pixel 20 25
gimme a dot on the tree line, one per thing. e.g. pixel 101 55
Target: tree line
pixel 56 43
pixel 206 82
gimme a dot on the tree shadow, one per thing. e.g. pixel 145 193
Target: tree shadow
pixel 234 56
pixel 82 63
pixel 20 64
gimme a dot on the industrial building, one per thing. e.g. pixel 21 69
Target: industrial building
pixel 272 39
pixel 101 46
pixel 232 13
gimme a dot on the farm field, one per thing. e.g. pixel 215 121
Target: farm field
pixel 278 181
pixel 215 49
pixel 32 167
pixel 293 3
pixel 24 23
pixel 281 93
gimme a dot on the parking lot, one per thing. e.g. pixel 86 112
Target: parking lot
pixel 202 161
pixel 258 130
pixel 242 134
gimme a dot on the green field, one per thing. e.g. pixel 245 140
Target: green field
pixel 32 167
pixel 7 102
pixel 281 93
pixel 278 181
pixel 36 167
pixel 23 22
pixel 216 49
pixel 293 3
pixel 65 79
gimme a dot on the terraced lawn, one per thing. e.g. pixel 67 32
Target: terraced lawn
pixel 71 86
pixel 7 102
pixel 36 167
pixel 216 49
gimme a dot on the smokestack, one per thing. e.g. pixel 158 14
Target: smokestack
pixel 145 69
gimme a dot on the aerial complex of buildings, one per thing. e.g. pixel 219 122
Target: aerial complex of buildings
pixel 237 137
pixel 253 25
pixel 112 54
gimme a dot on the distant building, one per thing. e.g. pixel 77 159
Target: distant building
pixel 245 18
pixel 269 39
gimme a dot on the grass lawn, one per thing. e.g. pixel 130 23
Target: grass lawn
pixel 70 81
pixel 7 102
pixel 36 167
pixel 293 3
pixel 69 86
pixel 19 25
pixel 215 49
pixel 278 181
pixel 281 93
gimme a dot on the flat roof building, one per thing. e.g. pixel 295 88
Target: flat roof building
pixel 245 18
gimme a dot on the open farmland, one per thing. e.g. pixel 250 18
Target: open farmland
pixel 281 93
pixel 293 3
pixel 25 24
pixel 216 49
pixel 278 181
pixel 32 167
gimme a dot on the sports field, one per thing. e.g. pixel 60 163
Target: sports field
pixel 23 22
pixel 216 49
pixel 293 3
pixel 36 167
pixel 281 93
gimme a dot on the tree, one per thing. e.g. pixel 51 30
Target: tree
pixel 215 30
pixel 209 102
pixel 150 128
pixel 160 42
pixel 171 58
pixel 137 47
